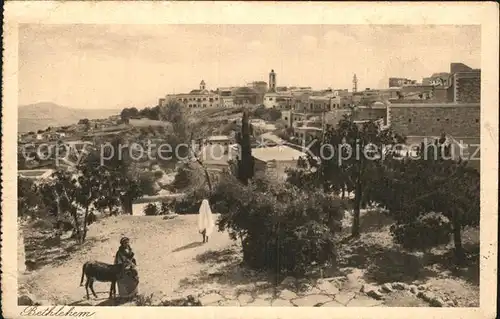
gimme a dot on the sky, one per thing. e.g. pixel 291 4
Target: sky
pixel 98 66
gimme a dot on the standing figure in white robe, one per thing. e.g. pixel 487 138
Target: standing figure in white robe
pixel 205 220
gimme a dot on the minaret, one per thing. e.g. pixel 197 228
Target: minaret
pixel 354 84
pixel 202 85
pixel 272 81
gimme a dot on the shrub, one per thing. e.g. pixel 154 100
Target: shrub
pixel 281 227
pixel 151 210
pixel 165 208
pixel 190 203
pixel 158 174
pixel 182 179
pixel 425 232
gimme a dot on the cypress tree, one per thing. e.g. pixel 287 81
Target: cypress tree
pixel 245 160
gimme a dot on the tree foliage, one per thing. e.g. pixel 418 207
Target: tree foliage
pixel 281 228
pixel 267 114
pixel 430 196
pixel 351 158
pixel 245 162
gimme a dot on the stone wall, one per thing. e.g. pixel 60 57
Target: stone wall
pixel 362 114
pixel 458 120
pixel 468 87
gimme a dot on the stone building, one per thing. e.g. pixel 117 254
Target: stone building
pixel 432 119
pixel 197 99
pixel 260 87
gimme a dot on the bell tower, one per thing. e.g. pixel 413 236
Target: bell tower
pixel 202 85
pixel 272 81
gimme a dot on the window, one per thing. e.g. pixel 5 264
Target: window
pixel 447 120
pixel 286 118
pixel 204 99
pixel 270 99
pixel 437 120
pixel 477 120
pixel 409 120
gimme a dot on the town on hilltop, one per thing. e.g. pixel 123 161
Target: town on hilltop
pixel 300 218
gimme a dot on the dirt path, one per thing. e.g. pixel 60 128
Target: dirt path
pixel 165 251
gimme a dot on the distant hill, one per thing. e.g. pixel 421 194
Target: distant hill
pixel 39 116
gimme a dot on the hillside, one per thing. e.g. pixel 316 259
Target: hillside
pixel 38 116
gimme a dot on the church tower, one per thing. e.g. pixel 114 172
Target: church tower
pixel 354 83
pixel 272 81
pixel 202 85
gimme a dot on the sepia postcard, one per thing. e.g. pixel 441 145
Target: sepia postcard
pixel 194 159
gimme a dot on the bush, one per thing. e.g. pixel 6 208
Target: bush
pixel 189 204
pixel 425 232
pixel 281 228
pixel 165 208
pixel 151 210
pixel 182 179
pixel 158 174
pixel 267 114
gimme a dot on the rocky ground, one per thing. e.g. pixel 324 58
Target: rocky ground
pixel 173 263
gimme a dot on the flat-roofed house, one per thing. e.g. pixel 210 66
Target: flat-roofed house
pixel 274 161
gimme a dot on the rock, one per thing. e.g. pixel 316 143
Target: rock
pixel 344 297
pixel 308 290
pixel 229 294
pixel 328 287
pixel 413 289
pixel 399 286
pixel 376 294
pixel 372 291
pixel 332 304
pixel 367 287
pixel 289 282
pixel 335 279
pixel 387 287
pixel 247 287
pixel 211 298
pixel 281 303
pixel 30 264
pixel 25 300
pixel 170 216
pixel 266 294
pixel 287 294
pixel 426 295
pixel 422 287
pixel 311 300
pixel 43 302
pixel 262 284
pixel 363 301
pixel 437 302
pixel 245 298
pixel 353 281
